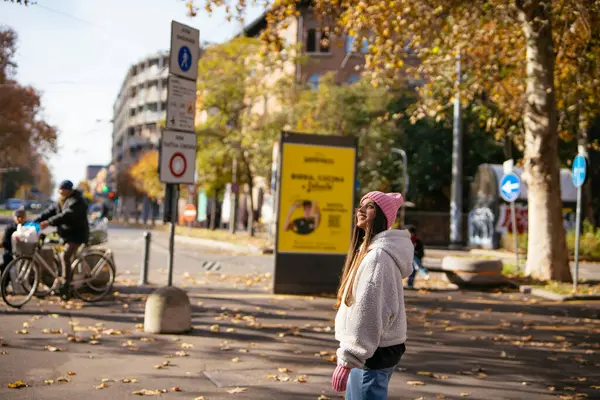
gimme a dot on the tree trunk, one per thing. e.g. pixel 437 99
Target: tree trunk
pixel 547 256
pixel 213 212
pixel 250 179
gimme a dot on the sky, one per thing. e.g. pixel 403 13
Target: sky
pixel 77 53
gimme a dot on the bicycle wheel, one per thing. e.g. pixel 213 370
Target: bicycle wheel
pixel 49 278
pixel 19 281
pixel 93 276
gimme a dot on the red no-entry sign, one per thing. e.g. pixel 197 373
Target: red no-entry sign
pixel 178 157
pixel 189 213
pixel 177 165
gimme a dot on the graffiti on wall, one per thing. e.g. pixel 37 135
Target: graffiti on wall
pixel 504 223
pixel 483 223
pixel 481 227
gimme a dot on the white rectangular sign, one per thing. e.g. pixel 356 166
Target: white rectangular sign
pixel 185 49
pixel 178 157
pixel 181 104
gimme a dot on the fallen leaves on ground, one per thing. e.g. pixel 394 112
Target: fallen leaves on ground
pixel 17 385
pixel 48 382
pixel 129 380
pixel 432 375
pixel 235 359
pixel 176 389
pixel 63 379
pixel 199 398
pixel 237 390
pixel 440 396
pixel 52 331
pixel 53 349
pixel 464 394
pixel 301 379
pixel 181 354
pixel 323 397
pixel 186 346
pixel 71 373
pixel 215 328
pixel 149 392
pixel 284 370
pixel 104 380
pixel 416 383
pixel 23 332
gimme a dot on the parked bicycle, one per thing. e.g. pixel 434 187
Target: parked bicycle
pixel 36 270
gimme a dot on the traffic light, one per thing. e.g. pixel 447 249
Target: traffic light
pixel 105 189
pixel 111 195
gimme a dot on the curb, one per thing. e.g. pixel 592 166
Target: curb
pixel 216 244
pixel 545 294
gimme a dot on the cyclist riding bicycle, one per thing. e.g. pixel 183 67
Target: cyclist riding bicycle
pixel 69 216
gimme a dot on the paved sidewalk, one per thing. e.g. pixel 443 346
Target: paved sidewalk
pixel 461 345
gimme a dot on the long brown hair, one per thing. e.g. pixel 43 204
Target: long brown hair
pixel 361 239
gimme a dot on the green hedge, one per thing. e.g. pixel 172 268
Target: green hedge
pixel 589 243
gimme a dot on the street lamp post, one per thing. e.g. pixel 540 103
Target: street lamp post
pixel 402 153
pixel 457 167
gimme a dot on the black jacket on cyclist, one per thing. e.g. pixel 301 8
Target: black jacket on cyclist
pixel 70 218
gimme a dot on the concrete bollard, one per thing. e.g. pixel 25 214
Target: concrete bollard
pixel 144 269
pixel 168 310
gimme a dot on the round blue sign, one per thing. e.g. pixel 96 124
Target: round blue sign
pixel 184 58
pixel 579 170
pixel 510 187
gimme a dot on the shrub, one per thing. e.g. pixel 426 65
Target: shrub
pixel 589 243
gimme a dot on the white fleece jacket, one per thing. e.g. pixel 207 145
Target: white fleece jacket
pixel 376 316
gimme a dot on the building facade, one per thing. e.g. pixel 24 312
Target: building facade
pixel 137 114
pixel 324 53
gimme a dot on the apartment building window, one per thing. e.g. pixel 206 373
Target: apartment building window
pixel 324 42
pixel 152 107
pixel 313 81
pixel 317 42
pixel 311 41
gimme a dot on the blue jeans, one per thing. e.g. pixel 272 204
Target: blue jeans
pixel 417 266
pixel 368 384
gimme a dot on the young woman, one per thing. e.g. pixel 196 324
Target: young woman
pixel 371 320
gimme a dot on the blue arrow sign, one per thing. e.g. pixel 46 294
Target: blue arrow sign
pixel 510 187
pixel 579 170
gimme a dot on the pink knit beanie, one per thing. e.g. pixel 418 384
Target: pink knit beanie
pixel 388 202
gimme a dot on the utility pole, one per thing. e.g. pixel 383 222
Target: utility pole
pixel 234 197
pixel 405 185
pixel 457 167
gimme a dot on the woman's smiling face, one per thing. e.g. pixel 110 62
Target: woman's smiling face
pixel 365 214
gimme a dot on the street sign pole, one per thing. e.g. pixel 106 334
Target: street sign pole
pixel 510 189
pixel 579 175
pixel 513 217
pixel 175 197
pixel 577 230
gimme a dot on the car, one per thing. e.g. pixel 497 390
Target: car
pixel 13 204
pixel 33 205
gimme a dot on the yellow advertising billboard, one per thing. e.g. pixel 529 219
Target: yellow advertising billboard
pixel 316 200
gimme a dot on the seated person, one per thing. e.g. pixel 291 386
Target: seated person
pixel 19 218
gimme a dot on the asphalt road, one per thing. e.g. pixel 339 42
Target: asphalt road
pixel 191 258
